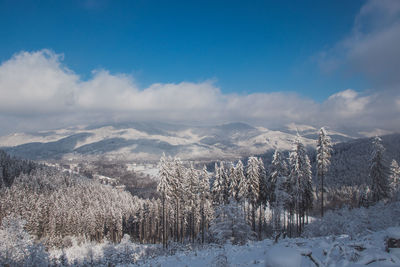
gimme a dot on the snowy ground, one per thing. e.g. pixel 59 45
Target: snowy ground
pixel 300 252
pixel 150 169
pixel 339 251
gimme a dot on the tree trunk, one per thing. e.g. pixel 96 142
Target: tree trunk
pixel 164 229
pixel 253 216
pixel 260 223
pixel 322 195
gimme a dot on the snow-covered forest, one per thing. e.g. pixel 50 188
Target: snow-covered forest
pixel 288 205
pixel 200 133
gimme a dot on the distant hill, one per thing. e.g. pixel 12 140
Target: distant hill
pixel 148 140
pixel 351 160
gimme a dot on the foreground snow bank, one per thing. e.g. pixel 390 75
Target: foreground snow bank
pixel 341 250
pixel 17 248
pixel 281 256
pixel 355 222
pixel 300 252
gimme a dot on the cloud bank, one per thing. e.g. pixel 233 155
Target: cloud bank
pixel 372 47
pixel 39 92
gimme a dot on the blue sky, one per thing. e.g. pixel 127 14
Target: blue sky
pixel 266 63
pixel 244 46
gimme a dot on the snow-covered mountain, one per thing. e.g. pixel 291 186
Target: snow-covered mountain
pixel 148 140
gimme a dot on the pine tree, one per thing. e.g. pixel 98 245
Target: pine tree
pixel 233 184
pixel 262 182
pixel 263 194
pixel 378 171
pixel 253 178
pixel 216 185
pixel 205 200
pixel 324 149
pixel 229 224
pixel 220 189
pixel 278 168
pixel 277 187
pixel 281 198
pixel 226 184
pixel 178 192
pixel 192 199
pixel 240 180
pixel 165 190
pixel 394 177
pixel 300 176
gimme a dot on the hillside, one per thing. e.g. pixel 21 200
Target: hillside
pixel 147 141
pixel 351 160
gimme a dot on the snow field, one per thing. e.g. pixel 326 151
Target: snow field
pixel 330 251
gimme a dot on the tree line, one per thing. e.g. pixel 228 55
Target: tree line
pixel 235 201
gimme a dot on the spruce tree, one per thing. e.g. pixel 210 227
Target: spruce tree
pixel 277 187
pixel 253 178
pixel 378 171
pixel 300 176
pixel 192 200
pixel 241 188
pixel 262 183
pixel 164 189
pixel 278 168
pixel 205 200
pixel 394 181
pixel 229 224
pixel 218 185
pixel 226 184
pixel 232 181
pixel 324 149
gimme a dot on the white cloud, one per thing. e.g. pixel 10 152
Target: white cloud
pixel 36 82
pixel 347 103
pixel 39 92
pixel 371 48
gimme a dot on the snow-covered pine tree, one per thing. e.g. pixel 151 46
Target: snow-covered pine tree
pixel 240 179
pixel 217 185
pixel 281 198
pixel 205 201
pixel 253 179
pixel 192 200
pixel 220 189
pixel 164 189
pixel 278 168
pixel 262 196
pixel 300 176
pixel 226 183
pixel 394 179
pixel 232 181
pixel 229 224
pixel 178 189
pixel 378 171
pixel 277 195
pixel 324 148
pixel 263 193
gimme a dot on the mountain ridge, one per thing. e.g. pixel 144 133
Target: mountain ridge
pixel 147 141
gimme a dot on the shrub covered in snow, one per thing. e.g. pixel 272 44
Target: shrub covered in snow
pixel 229 224
pixel 104 253
pixel 17 248
pixel 355 221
